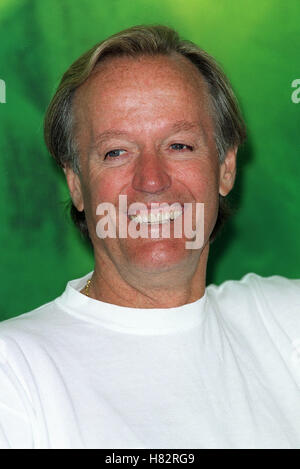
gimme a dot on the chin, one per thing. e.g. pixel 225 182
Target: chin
pixel 158 255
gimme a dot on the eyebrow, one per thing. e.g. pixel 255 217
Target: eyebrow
pixel 185 125
pixel 176 127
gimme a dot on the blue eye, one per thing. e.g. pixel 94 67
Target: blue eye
pixel 181 146
pixel 113 154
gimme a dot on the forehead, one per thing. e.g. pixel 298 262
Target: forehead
pixel 125 89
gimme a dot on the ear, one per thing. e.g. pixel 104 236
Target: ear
pixel 74 185
pixel 228 172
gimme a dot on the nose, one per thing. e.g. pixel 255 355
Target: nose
pixel 151 174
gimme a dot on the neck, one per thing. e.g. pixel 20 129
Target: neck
pixel 173 288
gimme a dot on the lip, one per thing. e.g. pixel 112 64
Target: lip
pixel 155 210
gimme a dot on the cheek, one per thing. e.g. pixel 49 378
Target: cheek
pixel 201 180
pixel 97 190
pixel 102 187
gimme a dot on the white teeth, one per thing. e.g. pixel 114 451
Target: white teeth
pixel 156 218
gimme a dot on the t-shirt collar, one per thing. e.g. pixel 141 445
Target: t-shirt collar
pixel 131 320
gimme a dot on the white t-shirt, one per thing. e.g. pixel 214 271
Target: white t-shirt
pixel 222 372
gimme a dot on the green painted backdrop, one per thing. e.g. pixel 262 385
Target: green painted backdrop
pixel 256 41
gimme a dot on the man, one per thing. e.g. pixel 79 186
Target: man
pixel 140 353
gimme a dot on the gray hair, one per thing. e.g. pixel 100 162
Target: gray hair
pixel 230 131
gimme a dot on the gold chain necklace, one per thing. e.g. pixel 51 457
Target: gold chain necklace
pixel 86 289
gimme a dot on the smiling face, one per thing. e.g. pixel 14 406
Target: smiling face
pixel 145 130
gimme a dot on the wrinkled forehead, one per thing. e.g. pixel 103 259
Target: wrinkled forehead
pixel 142 74
pixel 123 87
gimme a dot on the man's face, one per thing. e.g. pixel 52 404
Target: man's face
pixel 145 130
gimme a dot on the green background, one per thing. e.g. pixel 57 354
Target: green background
pixel 257 43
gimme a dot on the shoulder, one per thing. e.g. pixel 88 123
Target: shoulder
pixel 52 317
pixel 272 289
pixel 278 299
pixel 30 320
pixel 44 329
pixel 279 293
pixel 272 302
pixel 33 329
